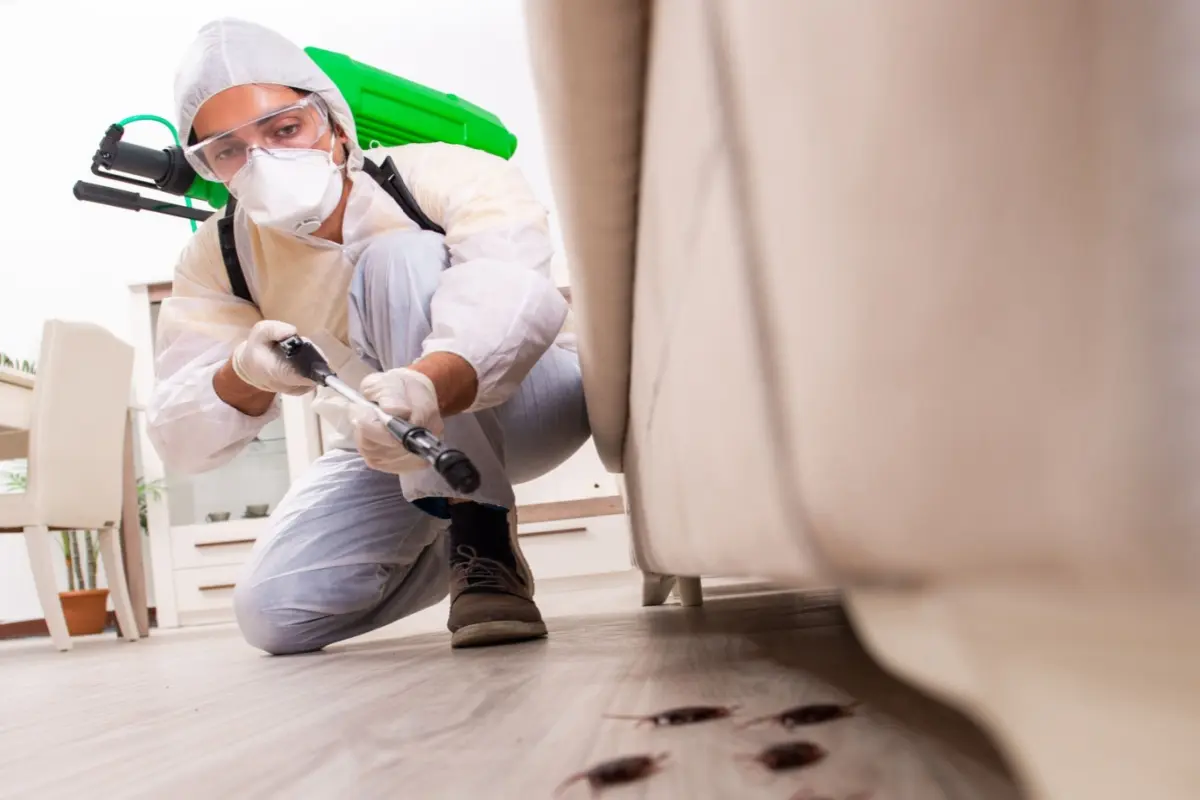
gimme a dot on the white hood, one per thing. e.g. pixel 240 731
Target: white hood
pixel 233 52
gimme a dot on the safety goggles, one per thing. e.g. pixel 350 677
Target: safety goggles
pixel 298 127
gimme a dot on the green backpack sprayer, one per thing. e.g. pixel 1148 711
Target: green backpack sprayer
pixel 388 111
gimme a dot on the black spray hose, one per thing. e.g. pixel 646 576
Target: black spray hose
pixel 453 465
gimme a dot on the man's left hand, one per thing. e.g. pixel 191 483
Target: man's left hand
pixel 405 394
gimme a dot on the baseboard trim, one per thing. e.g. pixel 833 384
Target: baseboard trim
pixel 32 628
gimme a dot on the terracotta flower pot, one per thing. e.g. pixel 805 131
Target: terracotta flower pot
pixel 86 611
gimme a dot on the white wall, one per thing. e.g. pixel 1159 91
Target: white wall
pixel 72 71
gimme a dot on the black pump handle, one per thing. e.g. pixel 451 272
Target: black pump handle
pixel 132 201
pixel 453 465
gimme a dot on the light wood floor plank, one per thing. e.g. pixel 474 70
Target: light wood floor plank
pixel 397 714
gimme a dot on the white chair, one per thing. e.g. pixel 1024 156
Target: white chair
pixel 75 454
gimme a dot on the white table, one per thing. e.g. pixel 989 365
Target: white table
pixel 16 400
pixel 16 412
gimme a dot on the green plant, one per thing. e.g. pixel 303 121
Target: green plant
pixel 154 491
pixel 81 562
pixel 23 365
pixel 16 480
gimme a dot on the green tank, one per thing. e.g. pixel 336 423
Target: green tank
pixel 389 110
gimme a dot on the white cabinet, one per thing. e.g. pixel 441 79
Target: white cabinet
pixel 248 487
pixel 203 527
pixel 576 546
pixel 580 476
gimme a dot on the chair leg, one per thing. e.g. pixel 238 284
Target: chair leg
pixel 41 559
pixel 690 595
pixel 118 588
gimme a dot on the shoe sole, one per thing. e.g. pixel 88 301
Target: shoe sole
pixel 483 634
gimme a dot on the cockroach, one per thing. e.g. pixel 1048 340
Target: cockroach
pixel 686 715
pixel 788 756
pixel 615 772
pixel 813 714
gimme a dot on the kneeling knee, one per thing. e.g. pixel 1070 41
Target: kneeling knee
pixel 266 625
pixel 303 612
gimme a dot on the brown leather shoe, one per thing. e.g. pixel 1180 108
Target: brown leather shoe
pixel 490 603
pixel 479 619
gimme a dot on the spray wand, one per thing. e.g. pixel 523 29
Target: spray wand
pixel 453 465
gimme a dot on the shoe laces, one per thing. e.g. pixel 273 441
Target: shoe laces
pixel 480 572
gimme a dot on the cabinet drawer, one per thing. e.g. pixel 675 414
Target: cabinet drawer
pixel 205 594
pixel 580 546
pixel 215 544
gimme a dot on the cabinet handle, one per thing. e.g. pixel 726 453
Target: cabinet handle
pixel 230 543
pixel 217 586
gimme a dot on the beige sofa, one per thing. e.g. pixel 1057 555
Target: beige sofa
pixel 904 297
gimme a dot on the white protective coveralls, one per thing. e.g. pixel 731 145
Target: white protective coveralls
pixel 346 550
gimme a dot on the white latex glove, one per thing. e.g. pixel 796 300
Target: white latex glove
pixel 407 395
pixel 258 362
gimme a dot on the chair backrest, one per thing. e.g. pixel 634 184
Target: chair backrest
pixel 77 432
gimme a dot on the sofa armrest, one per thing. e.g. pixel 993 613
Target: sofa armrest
pixel 589 70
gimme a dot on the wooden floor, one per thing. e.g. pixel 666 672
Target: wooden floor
pixel 397 714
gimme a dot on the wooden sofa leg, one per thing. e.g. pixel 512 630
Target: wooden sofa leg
pixel 656 588
pixel 690 595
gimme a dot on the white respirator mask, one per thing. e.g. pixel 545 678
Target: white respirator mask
pixel 292 190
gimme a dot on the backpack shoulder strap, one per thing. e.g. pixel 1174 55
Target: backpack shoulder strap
pixel 388 177
pixel 229 254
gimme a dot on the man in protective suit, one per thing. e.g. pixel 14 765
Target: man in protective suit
pixel 449 320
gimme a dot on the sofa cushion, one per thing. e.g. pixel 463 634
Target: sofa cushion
pixel 965 216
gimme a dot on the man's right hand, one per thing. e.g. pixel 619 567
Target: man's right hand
pixel 259 363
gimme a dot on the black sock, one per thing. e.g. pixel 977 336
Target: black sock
pixel 480 531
